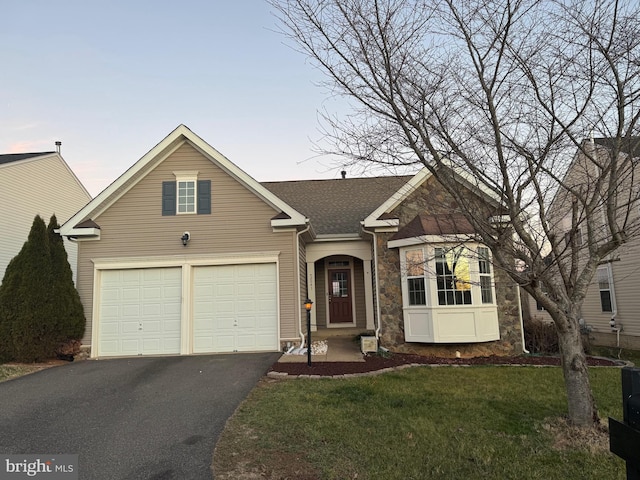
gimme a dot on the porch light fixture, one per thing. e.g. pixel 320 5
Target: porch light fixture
pixel 185 238
pixel 307 305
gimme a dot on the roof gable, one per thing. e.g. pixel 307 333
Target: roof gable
pixel 288 217
pixel 382 216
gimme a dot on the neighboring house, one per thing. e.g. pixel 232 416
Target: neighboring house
pixel 35 184
pixel 612 293
pixel 185 253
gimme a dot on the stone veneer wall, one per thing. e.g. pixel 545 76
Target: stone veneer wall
pixel 430 198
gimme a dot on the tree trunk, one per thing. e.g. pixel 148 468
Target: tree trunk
pixel 582 409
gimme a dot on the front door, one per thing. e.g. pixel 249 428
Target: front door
pixel 340 309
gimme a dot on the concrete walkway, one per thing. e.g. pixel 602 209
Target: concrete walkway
pixel 340 349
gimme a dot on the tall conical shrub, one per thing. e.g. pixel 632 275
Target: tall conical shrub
pixel 68 313
pixel 9 308
pixel 25 296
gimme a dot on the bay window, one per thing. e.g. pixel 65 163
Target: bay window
pixel 448 294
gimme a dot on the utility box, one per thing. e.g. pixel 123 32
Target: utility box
pixel 368 344
pixel 624 437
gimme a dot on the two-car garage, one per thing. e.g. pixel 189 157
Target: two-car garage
pixel 226 308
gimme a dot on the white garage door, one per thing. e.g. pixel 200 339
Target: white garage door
pixel 140 312
pixel 235 308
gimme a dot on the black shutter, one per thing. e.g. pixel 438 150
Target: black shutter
pixel 169 198
pixel 204 197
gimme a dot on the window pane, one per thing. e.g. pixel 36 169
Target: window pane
pixel 605 301
pixel 453 278
pixel 186 196
pixel 414 263
pixel 603 278
pixel 416 291
pixel 485 289
pixel 483 260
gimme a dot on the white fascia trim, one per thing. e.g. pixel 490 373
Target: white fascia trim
pixel 337 237
pixel 407 242
pixel 394 200
pixel 81 232
pixel 180 260
pixel 388 223
pixel 288 222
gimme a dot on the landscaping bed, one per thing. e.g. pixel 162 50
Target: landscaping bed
pixel 374 363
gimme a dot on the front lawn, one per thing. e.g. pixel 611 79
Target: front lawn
pixel 419 423
pixel 8 372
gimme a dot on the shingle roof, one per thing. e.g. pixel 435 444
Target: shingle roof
pixel 631 144
pixel 337 206
pixel 15 157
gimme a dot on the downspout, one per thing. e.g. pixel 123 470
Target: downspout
pixel 377 287
pixel 302 340
pixel 524 347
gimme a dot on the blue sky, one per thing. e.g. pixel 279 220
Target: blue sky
pixel 110 79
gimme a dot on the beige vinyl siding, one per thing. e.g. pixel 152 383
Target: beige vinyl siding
pixel 625 273
pixel 239 223
pixel 36 187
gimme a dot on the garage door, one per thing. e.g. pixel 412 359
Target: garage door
pixel 235 308
pixel 140 312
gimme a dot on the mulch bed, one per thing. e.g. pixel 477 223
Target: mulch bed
pixel 373 363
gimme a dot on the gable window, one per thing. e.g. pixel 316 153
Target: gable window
pixel 605 285
pixel 186 195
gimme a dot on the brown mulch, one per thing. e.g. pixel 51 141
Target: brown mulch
pixel 373 363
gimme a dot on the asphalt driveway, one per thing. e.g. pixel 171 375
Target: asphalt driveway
pixel 134 418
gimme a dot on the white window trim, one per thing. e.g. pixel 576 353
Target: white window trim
pixel 190 176
pixel 611 289
pixel 352 291
pixel 433 323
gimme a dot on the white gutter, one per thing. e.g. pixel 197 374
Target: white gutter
pixel 524 347
pixel 375 264
pixel 298 270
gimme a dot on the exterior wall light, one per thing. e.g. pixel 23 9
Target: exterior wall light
pixel 185 238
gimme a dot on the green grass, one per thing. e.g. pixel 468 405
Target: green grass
pixel 7 372
pixel 435 423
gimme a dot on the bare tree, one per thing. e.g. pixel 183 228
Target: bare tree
pixel 504 92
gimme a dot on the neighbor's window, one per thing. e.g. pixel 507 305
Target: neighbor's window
pixel 605 285
pixel 484 266
pixel 452 276
pixel 414 264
